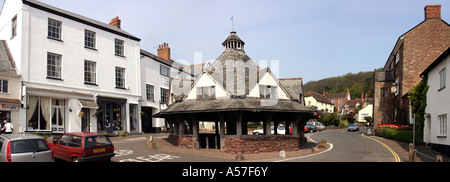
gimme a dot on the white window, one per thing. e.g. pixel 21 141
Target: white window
pixel 119 49
pixel 443 80
pixel 90 72
pixel 14 27
pixel 267 92
pixel 206 92
pixel 53 66
pixel 443 125
pixel 164 96
pixel 120 77
pixel 150 93
pixel 3 86
pixel 54 29
pixel 164 70
pixel 89 39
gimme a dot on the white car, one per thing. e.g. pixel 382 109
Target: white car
pixel 281 130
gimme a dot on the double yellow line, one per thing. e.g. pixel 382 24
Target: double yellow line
pixel 397 158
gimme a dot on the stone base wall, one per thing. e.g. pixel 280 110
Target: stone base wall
pixel 259 144
pixel 184 141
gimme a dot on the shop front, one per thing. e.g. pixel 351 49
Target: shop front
pixel 111 114
pixel 9 111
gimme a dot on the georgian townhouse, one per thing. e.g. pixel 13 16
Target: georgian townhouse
pixel 77 74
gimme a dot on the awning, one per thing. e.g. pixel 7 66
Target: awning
pixel 88 104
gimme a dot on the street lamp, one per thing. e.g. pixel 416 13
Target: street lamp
pixel 394 87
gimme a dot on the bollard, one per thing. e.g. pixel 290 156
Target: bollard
pixel 282 154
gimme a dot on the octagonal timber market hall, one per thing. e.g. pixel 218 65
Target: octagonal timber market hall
pixel 232 93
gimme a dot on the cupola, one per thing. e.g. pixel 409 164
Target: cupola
pixel 233 42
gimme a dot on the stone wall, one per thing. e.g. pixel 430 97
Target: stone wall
pixel 259 144
pixel 184 141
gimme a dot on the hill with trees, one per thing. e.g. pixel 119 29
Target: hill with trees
pixel 362 81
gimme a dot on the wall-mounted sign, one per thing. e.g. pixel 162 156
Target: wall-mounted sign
pixel 9 107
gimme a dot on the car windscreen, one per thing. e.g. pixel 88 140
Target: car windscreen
pixel 26 146
pixel 96 141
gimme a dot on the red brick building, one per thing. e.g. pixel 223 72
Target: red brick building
pixel 413 52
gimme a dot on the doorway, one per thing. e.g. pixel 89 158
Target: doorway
pixel 85 121
pixel 147 120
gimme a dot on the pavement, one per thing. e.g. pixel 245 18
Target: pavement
pixel 425 154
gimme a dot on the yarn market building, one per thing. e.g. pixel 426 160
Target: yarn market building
pixel 234 92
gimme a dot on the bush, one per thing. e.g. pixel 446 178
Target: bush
pixel 402 135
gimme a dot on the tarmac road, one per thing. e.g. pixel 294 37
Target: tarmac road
pixel 349 147
pixel 136 150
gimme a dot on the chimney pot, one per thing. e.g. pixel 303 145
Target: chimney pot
pixel 164 51
pixel 115 22
pixel 432 12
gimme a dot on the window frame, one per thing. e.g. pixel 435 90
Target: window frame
pixel 92 72
pixel 164 70
pixel 57 25
pixel 268 92
pixel 119 49
pixel 90 38
pixel 13 27
pixel 206 93
pixel 120 77
pixel 150 92
pixel 442 133
pixel 164 96
pixel 56 71
pixel 4 85
pixel 442 79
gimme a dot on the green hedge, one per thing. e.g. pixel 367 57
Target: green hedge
pixel 404 135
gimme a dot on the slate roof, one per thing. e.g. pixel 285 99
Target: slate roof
pixel 234 104
pixel 7 65
pixel 318 97
pixel 293 86
pixel 82 19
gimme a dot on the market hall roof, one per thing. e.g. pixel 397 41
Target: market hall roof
pixel 235 104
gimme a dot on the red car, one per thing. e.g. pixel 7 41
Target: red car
pixel 83 147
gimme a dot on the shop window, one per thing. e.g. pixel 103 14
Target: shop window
pixel 38 113
pixel 5 116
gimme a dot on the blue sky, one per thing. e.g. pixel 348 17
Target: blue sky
pixel 311 39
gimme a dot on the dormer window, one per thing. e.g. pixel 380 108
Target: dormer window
pixel 268 92
pixel 206 92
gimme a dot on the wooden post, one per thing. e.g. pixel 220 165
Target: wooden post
pixel 195 131
pixel 222 130
pixel 267 119
pixel 238 115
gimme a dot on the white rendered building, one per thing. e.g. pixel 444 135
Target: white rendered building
pixel 77 74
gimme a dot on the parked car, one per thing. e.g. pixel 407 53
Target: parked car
pixel 353 127
pixel 83 147
pixel 317 124
pixel 24 148
pixel 281 130
pixel 310 128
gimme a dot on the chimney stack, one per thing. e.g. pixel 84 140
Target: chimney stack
pixel 432 12
pixel 164 51
pixel 115 22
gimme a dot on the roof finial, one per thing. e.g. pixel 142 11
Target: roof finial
pixel 232 23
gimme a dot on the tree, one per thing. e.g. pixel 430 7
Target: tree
pixel 418 98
